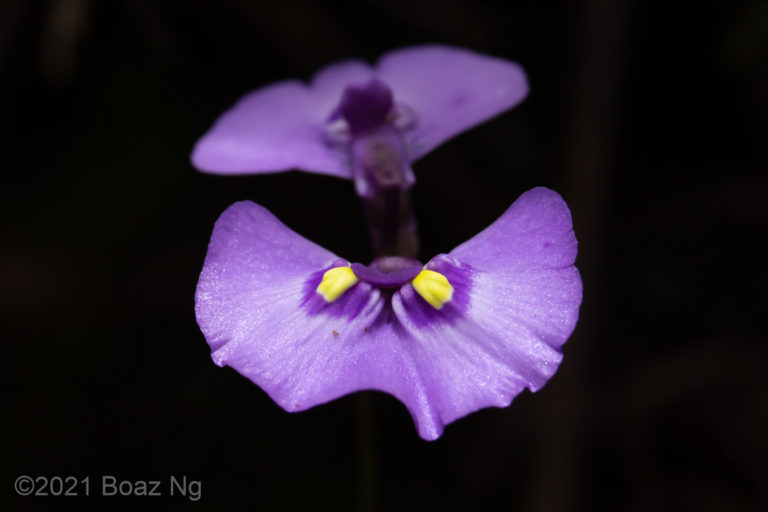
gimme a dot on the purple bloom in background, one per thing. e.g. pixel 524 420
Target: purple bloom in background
pixel 362 122
pixel 470 329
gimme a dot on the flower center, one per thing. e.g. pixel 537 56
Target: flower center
pixel 387 273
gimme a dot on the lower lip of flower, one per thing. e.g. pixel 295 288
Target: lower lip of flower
pixel 469 329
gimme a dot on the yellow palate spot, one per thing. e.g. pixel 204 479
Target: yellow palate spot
pixel 335 282
pixel 433 288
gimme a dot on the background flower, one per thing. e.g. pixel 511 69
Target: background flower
pixel 515 301
pixel 438 92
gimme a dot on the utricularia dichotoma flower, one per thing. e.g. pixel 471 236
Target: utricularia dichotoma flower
pixel 467 330
pixel 361 122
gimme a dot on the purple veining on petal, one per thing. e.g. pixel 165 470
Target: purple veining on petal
pixel 348 305
pixel 393 279
pixel 459 275
pixel 366 106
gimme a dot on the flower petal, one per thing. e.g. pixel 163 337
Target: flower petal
pixel 524 269
pixel 251 305
pixel 449 90
pixel 251 255
pixel 462 367
pixel 536 232
pixel 522 307
pixel 281 127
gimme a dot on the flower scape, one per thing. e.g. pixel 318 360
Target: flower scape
pixel 468 329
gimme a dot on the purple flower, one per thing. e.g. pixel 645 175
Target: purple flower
pixel 355 121
pixel 470 329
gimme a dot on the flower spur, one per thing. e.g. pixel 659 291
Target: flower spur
pixel 468 330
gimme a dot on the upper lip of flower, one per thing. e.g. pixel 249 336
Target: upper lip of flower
pixel 428 93
pixel 514 302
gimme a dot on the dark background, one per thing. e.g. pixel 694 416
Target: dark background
pixel 650 118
